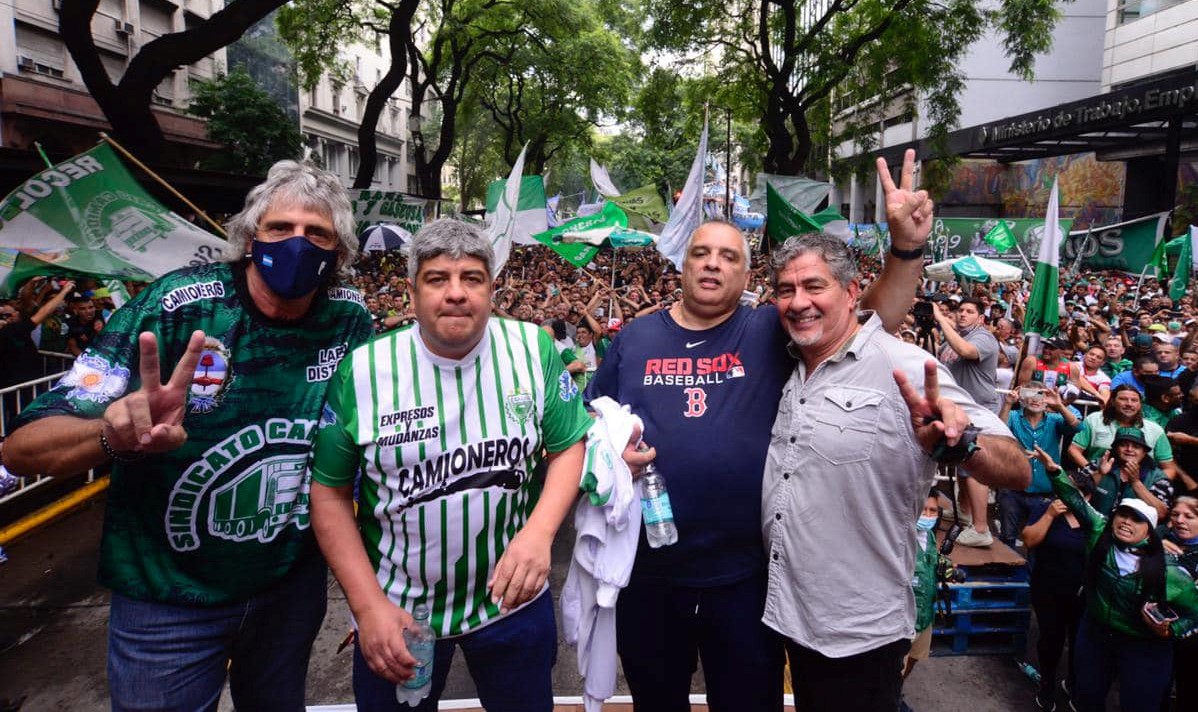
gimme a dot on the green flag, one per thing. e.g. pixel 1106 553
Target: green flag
pixel 87 214
pixel 644 201
pixel 581 252
pixel 1000 236
pixel 1181 274
pixel 1043 304
pixel 784 220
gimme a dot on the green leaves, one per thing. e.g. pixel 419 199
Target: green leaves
pixel 247 120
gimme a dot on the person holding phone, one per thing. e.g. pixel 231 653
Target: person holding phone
pixel 1138 601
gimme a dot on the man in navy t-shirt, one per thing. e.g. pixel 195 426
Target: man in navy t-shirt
pixel 706 376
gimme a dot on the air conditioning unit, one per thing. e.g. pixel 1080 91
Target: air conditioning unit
pixel 123 28
pixel 25 62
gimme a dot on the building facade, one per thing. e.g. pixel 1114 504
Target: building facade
pixel 1016 132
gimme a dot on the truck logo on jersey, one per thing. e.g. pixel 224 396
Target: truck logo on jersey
pixel 518 404
pixel 211 378
pixel 92 378
pixel 263 498
pixel 260 502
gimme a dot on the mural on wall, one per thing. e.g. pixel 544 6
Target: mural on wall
pixel 975 183
pixel 1091 191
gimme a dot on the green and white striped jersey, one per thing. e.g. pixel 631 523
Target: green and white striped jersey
pixel 447 450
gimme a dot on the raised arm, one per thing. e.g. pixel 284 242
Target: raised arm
pixel 909 215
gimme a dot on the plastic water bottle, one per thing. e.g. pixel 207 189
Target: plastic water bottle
pixel 1030 670
pixel 420 641
pixel 655 506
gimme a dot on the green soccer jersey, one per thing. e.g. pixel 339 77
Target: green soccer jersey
pixel 447 450
pixel 225 515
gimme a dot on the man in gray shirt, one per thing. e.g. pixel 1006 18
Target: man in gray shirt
pixel 846 476
pixel 971 353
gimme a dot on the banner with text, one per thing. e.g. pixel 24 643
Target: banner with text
pixel 1126 246
pixel 372 207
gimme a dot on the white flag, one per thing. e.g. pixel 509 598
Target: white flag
pixel 688 211
pixel 503 221
pixel 602 181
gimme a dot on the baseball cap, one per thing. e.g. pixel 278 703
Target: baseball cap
pixel 1157 327
pixel 1142 509
pixel 614 324
pixel 1142 340
pixel 1162 338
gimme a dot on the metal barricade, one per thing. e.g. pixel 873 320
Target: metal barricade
pixel 14 399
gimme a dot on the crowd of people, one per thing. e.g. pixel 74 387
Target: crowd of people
pixel 784 396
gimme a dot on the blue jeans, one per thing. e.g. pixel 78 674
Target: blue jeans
pixel 1144 667
pixel 663 629
pixel 510 661
pixel 169 657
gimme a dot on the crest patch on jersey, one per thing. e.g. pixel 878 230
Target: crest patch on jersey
pixel 518 404
pixel 212 377
pixel 92 378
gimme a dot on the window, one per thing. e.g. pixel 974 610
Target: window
pixel 1132 10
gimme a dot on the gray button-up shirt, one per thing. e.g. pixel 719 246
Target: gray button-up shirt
pixel 845 480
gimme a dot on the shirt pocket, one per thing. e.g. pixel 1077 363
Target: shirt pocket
pixel 846 424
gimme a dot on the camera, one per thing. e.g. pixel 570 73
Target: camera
pixel 925 319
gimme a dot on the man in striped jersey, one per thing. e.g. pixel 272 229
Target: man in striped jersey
pixel 447 421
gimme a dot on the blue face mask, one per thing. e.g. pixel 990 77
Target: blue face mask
pixel 294 267
pixel 925 524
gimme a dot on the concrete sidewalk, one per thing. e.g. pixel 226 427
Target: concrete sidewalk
pixel 53 631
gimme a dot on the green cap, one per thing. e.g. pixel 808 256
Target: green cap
pixel 1130 434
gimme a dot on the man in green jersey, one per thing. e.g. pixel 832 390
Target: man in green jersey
pixel 447 421
pixel 207 547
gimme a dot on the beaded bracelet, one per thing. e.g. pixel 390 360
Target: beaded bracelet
pixel 118 456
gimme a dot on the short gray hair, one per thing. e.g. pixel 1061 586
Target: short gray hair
pixel 744 241
pixel 453 238
pixel 833 250
pixel 303 184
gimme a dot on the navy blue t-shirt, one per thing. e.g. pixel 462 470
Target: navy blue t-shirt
pixel 708 399
pixel 1059 562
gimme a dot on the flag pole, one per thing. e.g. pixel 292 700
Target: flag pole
pixel 112 142
pixel 1026 265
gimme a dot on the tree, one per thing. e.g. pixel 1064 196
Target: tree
pixel 247 121
pixel 126 103
pixel 556 81
pixel 824 71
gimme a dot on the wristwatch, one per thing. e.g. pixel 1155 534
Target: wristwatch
pixel 967 445
pixel 916 254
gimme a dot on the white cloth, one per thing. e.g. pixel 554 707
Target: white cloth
pixel 607 523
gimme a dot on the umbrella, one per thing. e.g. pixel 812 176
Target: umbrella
pixel 383 237
pixel 972 268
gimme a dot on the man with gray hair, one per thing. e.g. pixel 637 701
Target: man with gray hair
pixel 207 549
pixel 706 376
pixel 447 421
pixel 863 422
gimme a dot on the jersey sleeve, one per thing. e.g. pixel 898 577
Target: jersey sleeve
pixel 108 369
pixel 1086 515
pixel 564 420
pixel 1162 449
pixel 1182 594
pixel 1082 438
pixel 336 454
